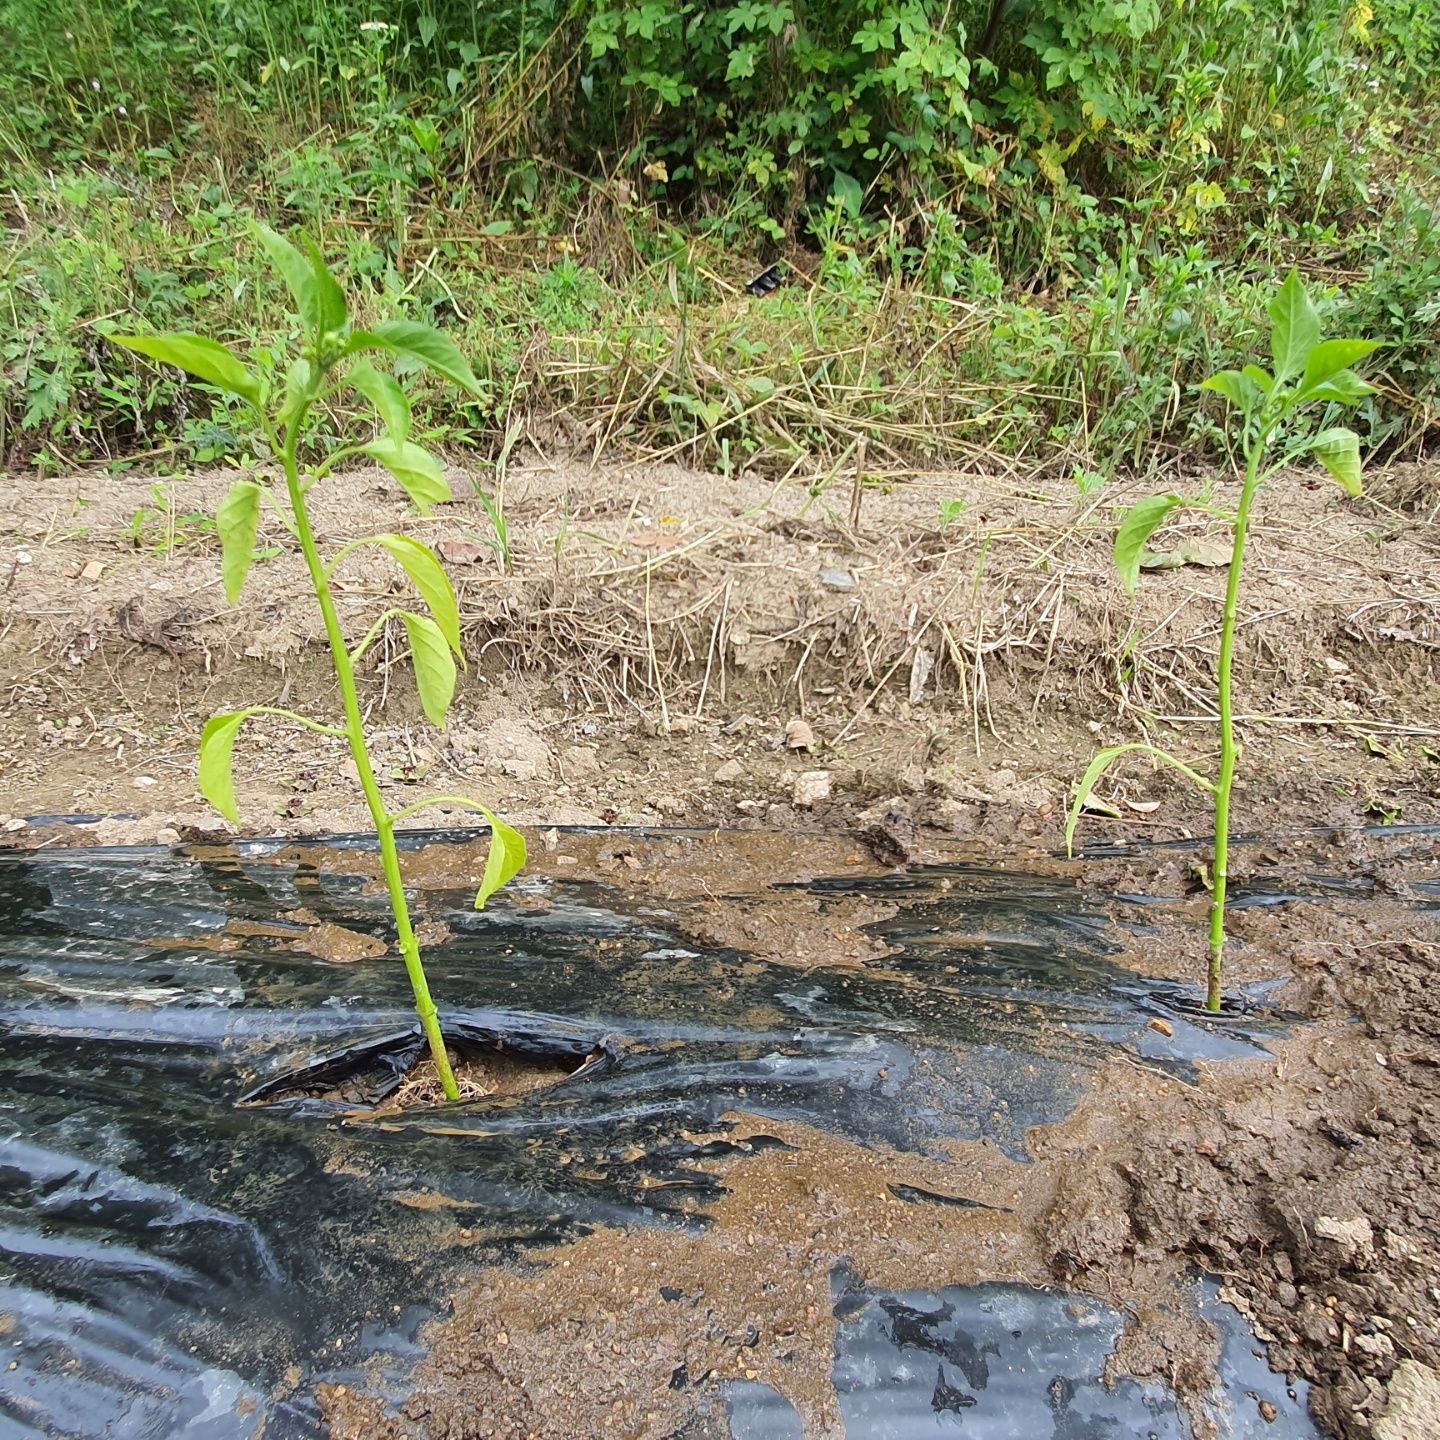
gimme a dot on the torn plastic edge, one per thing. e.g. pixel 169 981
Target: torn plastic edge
pixel 1103 849
pixel 394 1055
pixel 263 847
pixel 771 278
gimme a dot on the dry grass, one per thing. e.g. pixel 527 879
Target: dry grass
pixel 1016 601
pixel 676 596
pixel 478 1076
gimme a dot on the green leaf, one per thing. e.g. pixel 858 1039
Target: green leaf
pixel 505 860
pixel 1088 781
pixel 363 340
pixel 298 274
pixel 1330 357
pixel 207 359
pixel 1338 450
pixel 429 347
pixel 428 576
pixel 1296 328
pixel 217 745
pixel 237 522
pixel 417 470
pixel 1140 523
pixel 1344 387
pixel 387 397
pixel 1238 388
pixel 849 192
pixel 1102 762
pixel 434 666
pixel 329 297
pixel 1260 376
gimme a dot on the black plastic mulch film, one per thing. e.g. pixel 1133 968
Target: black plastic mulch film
pixel 185 1227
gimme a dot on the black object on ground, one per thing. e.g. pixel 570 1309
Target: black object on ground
pixel 766 281
pixel 177 1263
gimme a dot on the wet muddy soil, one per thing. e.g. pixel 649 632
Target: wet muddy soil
pixel 1306 1182
pixel 836 879
pixel 1296 1167
pixel 691 1167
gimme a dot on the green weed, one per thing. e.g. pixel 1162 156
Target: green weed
pixel 950 512
pixel 1037 236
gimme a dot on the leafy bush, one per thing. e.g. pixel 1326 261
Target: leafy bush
pixel 1112 185
pixel 786 101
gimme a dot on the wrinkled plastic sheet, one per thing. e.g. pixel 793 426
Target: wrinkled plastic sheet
pixel 176 1263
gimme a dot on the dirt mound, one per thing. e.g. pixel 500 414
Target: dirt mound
pixel 1309 1187
pixel 631 588
pixel 659 627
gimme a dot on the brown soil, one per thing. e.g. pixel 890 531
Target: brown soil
pixel 338 945
pixel 1306 1183
pixel 639 668
pixel 478 1077
pixel 643 668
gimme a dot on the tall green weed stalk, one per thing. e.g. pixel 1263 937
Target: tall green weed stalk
pixel 334 357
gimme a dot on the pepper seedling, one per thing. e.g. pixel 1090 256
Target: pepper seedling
pixel 1308 372
pixel 334 356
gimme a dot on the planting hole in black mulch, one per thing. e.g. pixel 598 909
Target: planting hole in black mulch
pixel 397 1073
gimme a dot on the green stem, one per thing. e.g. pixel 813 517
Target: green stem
pixel 290 715
pixel 323 470
pixel 355 733
pixel 285 520
pixel 1228 750
pixel 369 639
pixel 345 550
pixel 419 805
